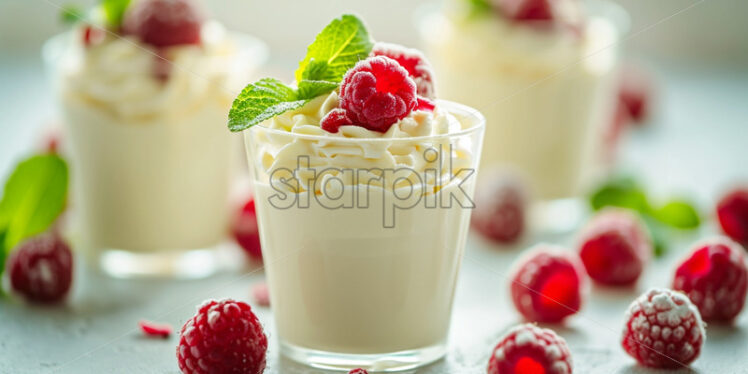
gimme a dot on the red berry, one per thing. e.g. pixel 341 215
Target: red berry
pixel 425 104
pixel 732 211
pixel 414 62
pixel 246 231
pixel 614 247
pixel 635 93
pixel 715 278
pixel 92 35
pixel 528 349
pixel 164 23
pixel 335 118
pixel 41 268
pixel 663 330
pixel 154 329
pixel 223 337
pixel 377 92
pixel 261 294
pixel 526 10
pixel 499 212
pixel 358 371
pixel 547 285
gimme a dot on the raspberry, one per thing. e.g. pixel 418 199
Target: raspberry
pixel 635 93
pixel 358 371
pixel 246 231
pixel 153 329
pixel 526 10
pixel 164 23
pixel 223 337
pixel 261 294
pixel 335 118
pixel 41 268
pixel 532 350
pixel 92 35
pixel 425 104
pixel 377 92
pixel 547 285
pixel 715 278
pixel 732 211
pixel 663 330
pixel 614 247
pixel 414 62
pixel 499 212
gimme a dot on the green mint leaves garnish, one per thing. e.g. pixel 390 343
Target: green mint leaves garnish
pixel 113 12
pixel 626 193
pixel 478 8
pixel 72 13
pixel 33 198
pixel 335 50
pixel 260 101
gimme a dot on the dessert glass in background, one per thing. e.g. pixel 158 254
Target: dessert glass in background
pixel 348 291
pixel 547 90
pixel 151 160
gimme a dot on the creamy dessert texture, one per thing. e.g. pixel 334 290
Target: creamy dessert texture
pixel 151 161
pixel 544 87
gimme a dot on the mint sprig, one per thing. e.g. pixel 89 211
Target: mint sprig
pixel 34 197
pixel 113 12
pixel 72 13
pixel 335 50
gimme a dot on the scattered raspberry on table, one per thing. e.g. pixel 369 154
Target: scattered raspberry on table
pixel 41 268
pixel 246 231
pixel 528 349
pixel 732 211
pixel 500 205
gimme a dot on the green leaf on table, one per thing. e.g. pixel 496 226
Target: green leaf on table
pixel 34 196
pixel 72 13
pixel 113 11
pixel 624 193
pixel 658 233
pixel 260 101
pixel 340 45
pixel 679 214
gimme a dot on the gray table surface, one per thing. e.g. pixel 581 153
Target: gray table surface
pixel 696 147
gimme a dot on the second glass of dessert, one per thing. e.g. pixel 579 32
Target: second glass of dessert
pixel 144 92
pixel 543 73
pixel 363 183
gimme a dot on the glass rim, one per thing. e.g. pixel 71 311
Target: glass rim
pixel 450 106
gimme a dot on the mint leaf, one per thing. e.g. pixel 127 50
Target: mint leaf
pixel 624 193
pixel 679 214
pixel 311 89
pixel 34 197
pixel 335 50
pixel 478 7
pixel 260 101
pixel 72 13
pixel 114 11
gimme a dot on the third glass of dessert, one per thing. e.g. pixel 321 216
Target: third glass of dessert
pixel 543 73
pixel 363 184
pixel 144 92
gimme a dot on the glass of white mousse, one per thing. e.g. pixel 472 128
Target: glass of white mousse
pixel 363 232
pixel 544 77
pixel 144 116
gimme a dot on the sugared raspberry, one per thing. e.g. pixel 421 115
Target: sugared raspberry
pixel 425 104
pixel 528 349
pixel 246 231
pixel 261 294
pixel 164 23
pixel 663 330
pixel 155 329
pixel 377 92
pixel 335 118
pixel 614 247
pixel 223 337
pixel 41 268
pixel 499 212
pixel 715 278
pixel 547 284
pixel 92 35
pixel 635 93
pixel 526 10
pixel 732 211
pixel 414 62
pixel 358 371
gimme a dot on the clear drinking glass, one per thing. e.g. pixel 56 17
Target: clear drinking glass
pixel 546 94
pixel 362 240
pixel 151 190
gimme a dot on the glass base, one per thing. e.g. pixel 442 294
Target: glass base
pixel 183 264
pixel 559 216
pixel 374 363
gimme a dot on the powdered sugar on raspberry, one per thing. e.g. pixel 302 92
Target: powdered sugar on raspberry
pixel 542 347
pixel 414 62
